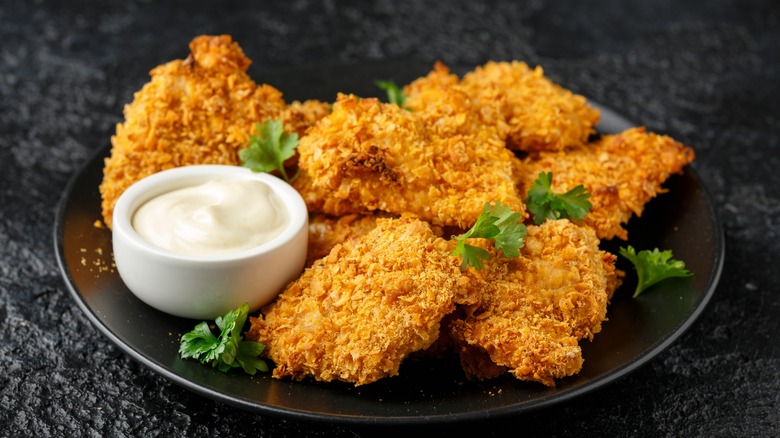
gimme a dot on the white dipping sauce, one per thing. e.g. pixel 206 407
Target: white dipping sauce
pixel 221 216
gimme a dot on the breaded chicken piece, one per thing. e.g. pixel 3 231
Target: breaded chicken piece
pixel 368 156
pixel 357 313
pixel 533 310
pixel 200 110
pixel 622 172
pixel 326 231
pixel 539 114
pixel 454 118
pixel 441 102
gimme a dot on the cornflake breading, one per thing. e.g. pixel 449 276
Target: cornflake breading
pixel 457 122
pixel 326 231
pixel 533 310
pixel 367 156
pixel 444 106
pixel 539 114
pixel 622 172
pixel 357 313
pixel 200 110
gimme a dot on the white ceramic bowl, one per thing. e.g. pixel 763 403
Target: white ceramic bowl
pixel 204 287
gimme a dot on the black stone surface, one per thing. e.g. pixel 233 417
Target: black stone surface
pixel 705 73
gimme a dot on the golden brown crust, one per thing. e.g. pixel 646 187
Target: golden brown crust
pixel 443 104
pixel 622 172
pixel 533 310
pixel 539 114
pixel 357 313
pixel 299 116
pixel 200 110
pixel 326 231
pixel 367 156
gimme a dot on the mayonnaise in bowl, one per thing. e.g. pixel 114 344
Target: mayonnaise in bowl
pixel 219 216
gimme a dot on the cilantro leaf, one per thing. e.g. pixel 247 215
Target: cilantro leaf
pixel 395 94
pixel 545 204
pixel 498 223
pixel 268 150
pixel 227 351
pixel 653 266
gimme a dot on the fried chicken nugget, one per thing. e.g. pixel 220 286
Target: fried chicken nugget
pixel 454 118
pixel 442 103
pixel 534 309
pixel 622 172
pixel 539 114
pixel 367 156
pixel 200 110
pixel 357 313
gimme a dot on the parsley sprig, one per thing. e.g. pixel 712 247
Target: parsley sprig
pixel 653 266
pixel 545 204
pixel 268 150
pixel 227 351
pixel 498 223
pixel 395 94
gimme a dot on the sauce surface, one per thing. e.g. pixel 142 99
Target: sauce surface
pixel 220 216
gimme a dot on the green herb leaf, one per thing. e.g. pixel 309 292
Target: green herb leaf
pixel 511 235
pixel 227 351
pixel 545 204
pixel 498 223
pixel 248 357
pixel 395 94
pixel 269 149
pixel 653 266
pixel 200 341
pixel 471 255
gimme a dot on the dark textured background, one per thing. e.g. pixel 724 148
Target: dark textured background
pixel 705 73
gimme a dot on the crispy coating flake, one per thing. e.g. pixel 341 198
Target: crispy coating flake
pixel 367 156
pixel 539 114
pixel 622 172
pixel 200 110
pixel 533 310
pixel 456 120
pixel 357 313
pixel 444 106
pixel 326 231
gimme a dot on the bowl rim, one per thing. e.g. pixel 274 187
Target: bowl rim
pixel 184 176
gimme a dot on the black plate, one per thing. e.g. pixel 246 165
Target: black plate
pixel 683 220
